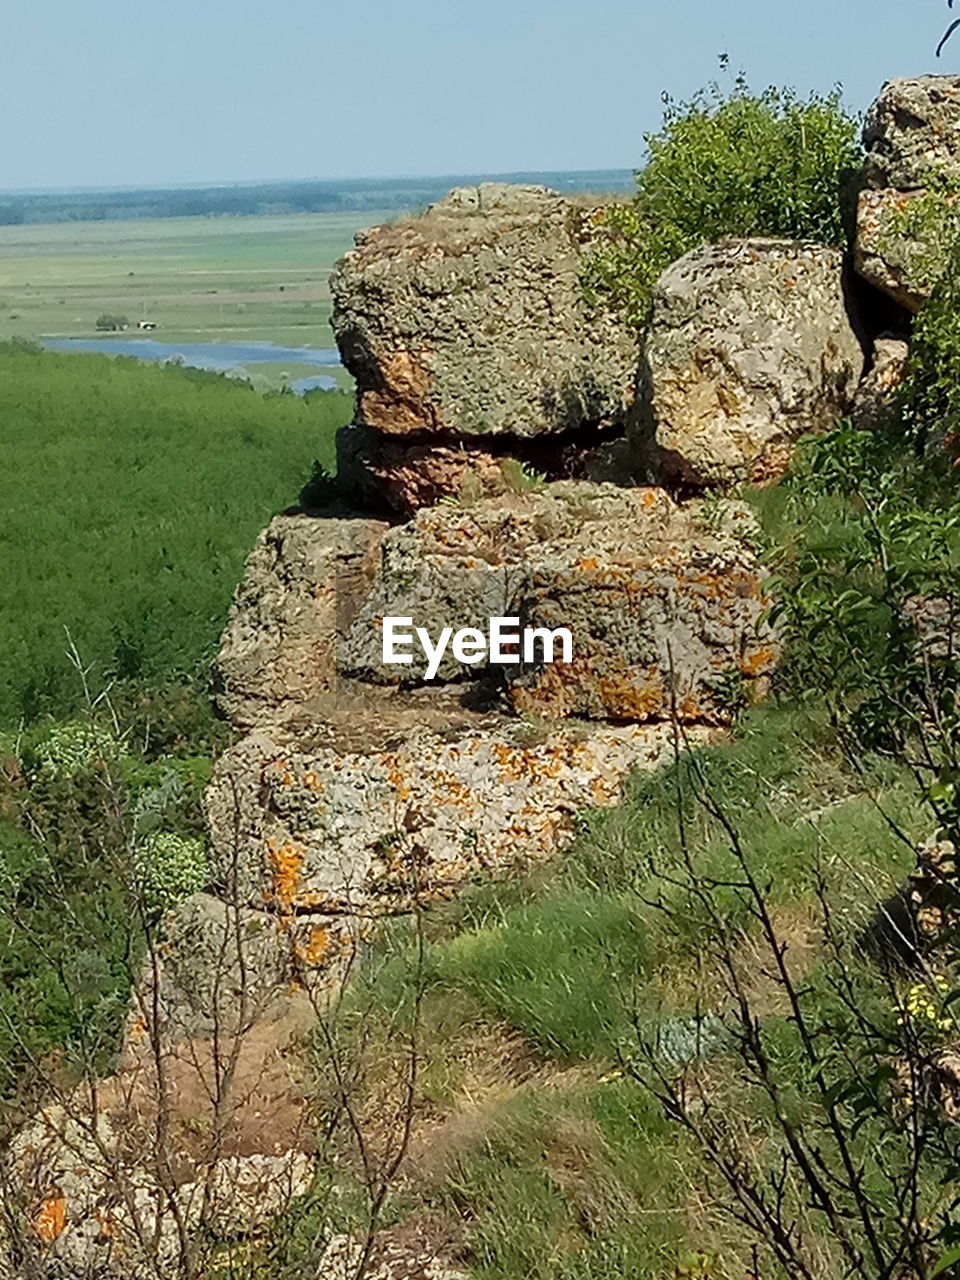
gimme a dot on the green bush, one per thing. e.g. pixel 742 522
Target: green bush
pixel 742 164
pixel 169 868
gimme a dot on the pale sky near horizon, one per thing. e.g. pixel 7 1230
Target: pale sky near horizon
pixel 100 93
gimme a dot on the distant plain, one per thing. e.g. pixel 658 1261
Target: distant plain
pixel 261 279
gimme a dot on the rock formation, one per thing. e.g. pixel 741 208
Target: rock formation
pixel 357 788
pixel 912 136
pixel 749 347
pixel 468 333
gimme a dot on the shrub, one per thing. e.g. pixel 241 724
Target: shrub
pixel 743 164
pixel 170 868
pixel 74 747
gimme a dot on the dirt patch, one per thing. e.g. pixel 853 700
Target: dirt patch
pixel 242 1096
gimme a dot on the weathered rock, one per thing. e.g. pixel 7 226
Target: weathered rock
pixel 366 831
pixel 903 241
pixel 377 470
pixel 471 320
pixel 663 602
pixel 876 396
pixel 220 969
pixel 301 584
pixel 410 1251
pixel 912 133
pixel 906 218
pixel 749 347
pixel 101 1200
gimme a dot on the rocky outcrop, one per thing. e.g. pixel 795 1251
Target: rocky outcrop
pixel 749 347
pixel 357 788
pixel 906 216
pixel 399 784
pixel 470 320
pixel 302 581
pixel 912 133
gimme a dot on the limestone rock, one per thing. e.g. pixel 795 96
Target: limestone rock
pixel 301 583
pixel 366 831
pixel 471 321
pixel 906 217
pixel 663 602
pixel 377 470
pixel 876 395
pixel 409 1251
pixel 99 1203
pixel 221 968
pixel 894 249
pixel 912 133
pixel 749 347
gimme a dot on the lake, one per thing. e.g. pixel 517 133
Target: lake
pixel 221 357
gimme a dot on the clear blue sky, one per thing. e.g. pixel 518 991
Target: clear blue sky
pixel 121 92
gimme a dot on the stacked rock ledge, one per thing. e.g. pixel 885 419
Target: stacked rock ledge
pixel 469 335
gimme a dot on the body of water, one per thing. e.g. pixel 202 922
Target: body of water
pixel 222 357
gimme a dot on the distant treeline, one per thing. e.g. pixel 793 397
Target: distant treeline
pixel 253 199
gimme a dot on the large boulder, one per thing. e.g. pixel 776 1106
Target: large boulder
pixel 906 215
pixel 366 831
pixel 749 347
pixel 912 133
pixel 471 320
pixel 904 239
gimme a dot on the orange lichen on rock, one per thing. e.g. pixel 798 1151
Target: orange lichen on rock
pixel 757 662
pixel 316 948
pixel 49 1219
pixel 286 862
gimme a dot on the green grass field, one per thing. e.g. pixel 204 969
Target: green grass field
pixel 131 496
pixel 200 279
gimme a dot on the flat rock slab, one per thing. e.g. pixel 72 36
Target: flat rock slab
pixel 471 320
pixel 749 348
pixel 299 830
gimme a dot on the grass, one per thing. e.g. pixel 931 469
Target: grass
pixel 535 992
pixel 131 497
pixel 200 279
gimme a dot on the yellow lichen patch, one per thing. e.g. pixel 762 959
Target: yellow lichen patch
pixel 315 949
pixel 758 661
pixel 286 861
pixel 49 1218
pixel 629 695
pixel 396 779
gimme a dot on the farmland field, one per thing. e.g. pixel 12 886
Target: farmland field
pixel 259 279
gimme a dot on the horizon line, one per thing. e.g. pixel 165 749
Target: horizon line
pixel 223 185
